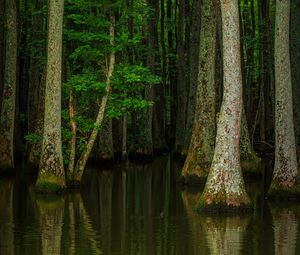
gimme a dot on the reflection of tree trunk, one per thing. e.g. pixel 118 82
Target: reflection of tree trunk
pixel 105 196
pixel 51 222
pixel 6 218
pixel 225 235
pixel 285 231
pixel 190 202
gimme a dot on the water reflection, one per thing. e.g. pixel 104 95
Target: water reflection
pixel 6 217
pixel 137 210
pixel 51 210
pixel 285 224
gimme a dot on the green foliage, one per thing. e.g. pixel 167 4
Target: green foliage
pixel 33 138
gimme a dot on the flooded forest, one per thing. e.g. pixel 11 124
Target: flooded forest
pixel 161 127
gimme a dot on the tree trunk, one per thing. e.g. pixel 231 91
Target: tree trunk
pixel 201 148
pixel 80 165
pixel 2 38
pixel 285 175
pixel 225 188
pixel 295 61
pixel 105 149
pixel 181 84
pixel 249 161
pixel 51 171
pixel 7 118
pixel 193 70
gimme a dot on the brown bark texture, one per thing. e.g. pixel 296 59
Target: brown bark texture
pixel 285 175
pixel 7 117
pixel 51 176
pixel 202 143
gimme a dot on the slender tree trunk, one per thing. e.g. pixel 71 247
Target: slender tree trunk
pixel 34 69
pixel 194 70
pixel 2 38
pixel 72 144
pixel 201 148
pixel 181 83
pixel 249 161
pixel 105 148
pixel 7 117
pixel 80 165
pixel 295 61
pixel 225 188
pixel 36 148
pixel 285 175
pixel 51 171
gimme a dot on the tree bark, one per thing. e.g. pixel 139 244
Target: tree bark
pixel 285 175
pixel 51 176
pixel 2 38
pixel 181 84
pixel 225 188
pixel 295 61
pixel 7 118
pixel 193 70
pixel 201 148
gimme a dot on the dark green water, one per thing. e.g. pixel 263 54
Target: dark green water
pixel 138 210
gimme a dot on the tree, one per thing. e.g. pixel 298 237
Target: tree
pixel 285 175
pixel 225 188
pixel 7 117
pixel 202 143
pixel 51 176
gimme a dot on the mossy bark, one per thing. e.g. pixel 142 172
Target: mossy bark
pixel 225 188
pixel 51 176
pixel 202 143
pixel 285 175
pixel 7 117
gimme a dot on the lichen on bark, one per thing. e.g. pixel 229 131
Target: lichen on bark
pixel 285 176
pixel 225 188
pixel 51 176
pixel 202 143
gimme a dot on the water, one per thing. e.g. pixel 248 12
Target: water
pixel 138 210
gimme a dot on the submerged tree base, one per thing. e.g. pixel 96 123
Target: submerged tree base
pixel 193 179
pixel 50 184
pixel 279 193
pixel 224 204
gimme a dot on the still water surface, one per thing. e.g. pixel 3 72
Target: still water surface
pixel 138 210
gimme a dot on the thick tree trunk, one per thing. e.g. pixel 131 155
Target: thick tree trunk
pixel 80 165
pixel 51 171
pixel 285 175
pixel 7 117
pixel 225 188
pixel 201 148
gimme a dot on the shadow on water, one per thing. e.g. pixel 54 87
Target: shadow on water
pixel 140 210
